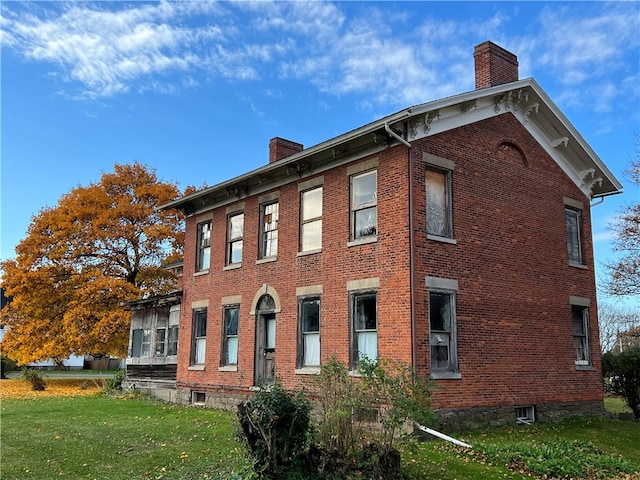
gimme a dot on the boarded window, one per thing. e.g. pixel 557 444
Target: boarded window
pixel 438 203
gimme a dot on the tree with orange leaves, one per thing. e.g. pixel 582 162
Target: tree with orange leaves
pixel 102 245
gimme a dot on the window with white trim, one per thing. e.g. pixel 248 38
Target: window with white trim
pixel 235 231
pixel 311 219
pixel 269 229
pixel 199 335
pixel 364 204
pixel 308 332
pixel 364 320
pixel 204 246
pixel 230 335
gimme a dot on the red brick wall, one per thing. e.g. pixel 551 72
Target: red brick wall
pixel 388 259
pixel 514 282
pixel 510 261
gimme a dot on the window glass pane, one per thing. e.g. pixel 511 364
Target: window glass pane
pixel 146 343
pixel 271 333
pixel 236 252
pixel 312 204
pixel 364 189
pixel 236 226
pixel 311 315
pixel 312 235
pixel 232 351
pixel 269 245
pixel 160 341
pixel 232 320
pixel 439 357
pixel 200 323
pixel 578 322
pixel 311 349
pixel 136 343
pixel 200 345
pixel 174 315
pixel 172 348
pixel 365 222
pixel 368 345
pixel 437 208
pixel 440 311
pixel 572 220
pixel 365 312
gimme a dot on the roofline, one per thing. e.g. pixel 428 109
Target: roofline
pixel 415 110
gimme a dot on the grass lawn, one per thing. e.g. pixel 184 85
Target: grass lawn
pixel 98 437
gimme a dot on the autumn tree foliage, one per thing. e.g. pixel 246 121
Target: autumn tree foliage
pixel 624 272
pixel 101 245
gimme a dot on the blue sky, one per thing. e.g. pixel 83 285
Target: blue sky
pixel 197 89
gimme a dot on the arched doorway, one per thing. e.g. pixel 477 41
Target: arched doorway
pixel 265 340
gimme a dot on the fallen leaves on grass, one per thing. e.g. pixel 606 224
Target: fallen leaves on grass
pixel 56 387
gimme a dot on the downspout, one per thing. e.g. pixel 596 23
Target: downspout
pixel 411 247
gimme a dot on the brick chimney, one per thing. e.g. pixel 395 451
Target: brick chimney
pixel 494 65
pixel 280 148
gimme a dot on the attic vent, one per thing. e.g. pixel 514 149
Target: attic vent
pixel 525 414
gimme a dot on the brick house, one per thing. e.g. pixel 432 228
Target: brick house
pixel 453 235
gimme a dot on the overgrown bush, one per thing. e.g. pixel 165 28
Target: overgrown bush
pixel 276 426
pixel 361 415
pixel 114 383
pixel 621 371
pixel 35 378
pixel 6 365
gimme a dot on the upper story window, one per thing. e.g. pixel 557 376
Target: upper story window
pixel 311 219
pixel 438 193
pixel 199 336
pixel 235 231
pixel 204 246
pixel 364 200
pixel 269 229
pixel 573 222
pixel 308 332
pixel 364 319
pixel 230 335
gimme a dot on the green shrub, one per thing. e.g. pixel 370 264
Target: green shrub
pixel 622 376
pixel 559 458
pixel 6 365
pixel 114 383
pixel 276 425
pixel 35 378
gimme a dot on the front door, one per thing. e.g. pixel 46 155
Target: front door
pixel 265 348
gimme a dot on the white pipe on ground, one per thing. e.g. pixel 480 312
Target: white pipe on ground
pixel 435 433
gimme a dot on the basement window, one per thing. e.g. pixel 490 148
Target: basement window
pixel 525 415
pixel 198 398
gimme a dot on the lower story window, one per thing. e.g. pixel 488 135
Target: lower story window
pixel 230 335
pixel 199 336
pixel 172 342
pixel 442 335
pixel 141 343
pixel 161 334
pixel 580 319
pixel 309 332
pixel 365 327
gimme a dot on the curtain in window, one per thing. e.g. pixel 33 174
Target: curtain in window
pixel 312 349
pixel 368 345
pixel 232 350
pixel 437 216
pixel 201 345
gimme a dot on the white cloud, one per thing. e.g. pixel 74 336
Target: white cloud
pixel 382 55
